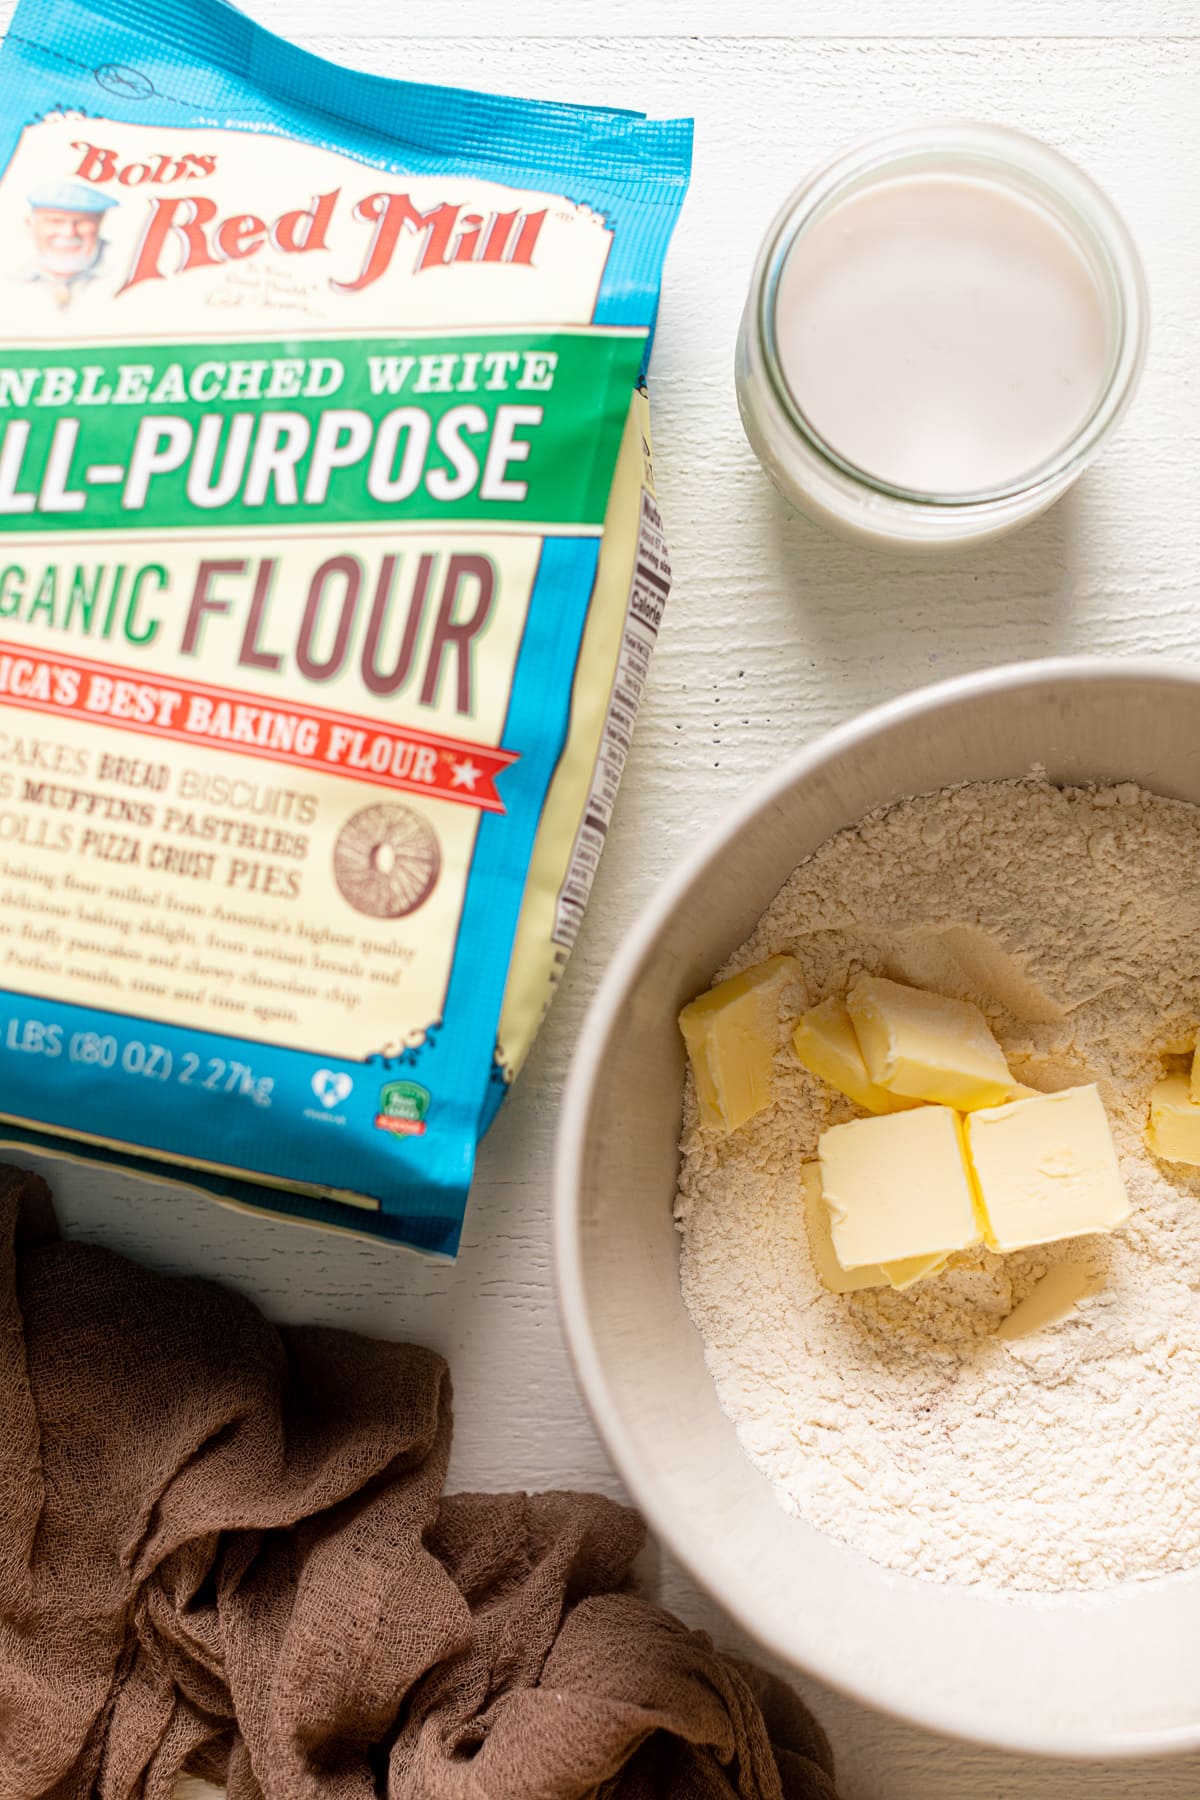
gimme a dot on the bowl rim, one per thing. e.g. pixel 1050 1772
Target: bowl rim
pixel 634 1469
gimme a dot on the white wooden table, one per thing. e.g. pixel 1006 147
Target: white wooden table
pixel 774 631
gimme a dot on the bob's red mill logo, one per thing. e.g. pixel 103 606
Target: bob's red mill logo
pixel 187 231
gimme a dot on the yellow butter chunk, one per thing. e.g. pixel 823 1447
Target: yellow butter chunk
pixel 910 1269
pixel 1046 1169
pixel 1058 1293
pixel 830 1272
pixel 732 1033
pixel 897 1187
pixel 926 1046
pixel 827 1045
pixel 1174 1129
pixel 1195 1084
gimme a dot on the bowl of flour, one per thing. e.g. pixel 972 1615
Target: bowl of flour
pixel 996 1539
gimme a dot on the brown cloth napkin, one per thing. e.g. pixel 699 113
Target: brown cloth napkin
pixel 224 1547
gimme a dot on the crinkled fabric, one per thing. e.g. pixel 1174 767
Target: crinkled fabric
pixel 226 1550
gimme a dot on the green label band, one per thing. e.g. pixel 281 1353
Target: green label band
pixel 479 427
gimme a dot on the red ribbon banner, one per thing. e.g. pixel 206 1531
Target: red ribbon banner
pixel 308 737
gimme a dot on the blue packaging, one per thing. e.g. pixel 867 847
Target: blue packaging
pixel 330 570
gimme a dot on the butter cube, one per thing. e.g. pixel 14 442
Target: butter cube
pixel 1174 1129
pixel 926 1046
pixel 1058 1293
pixel 897 1187
pixel 827 1045
pixel 1046 1169
pixel 732 1033
pixel 830 1272
pixel 1196 1071
pixel 910 1269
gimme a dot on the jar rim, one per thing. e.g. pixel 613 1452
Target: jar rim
pixel 1032 169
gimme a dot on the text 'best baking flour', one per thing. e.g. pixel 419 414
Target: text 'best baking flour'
pixel 330 570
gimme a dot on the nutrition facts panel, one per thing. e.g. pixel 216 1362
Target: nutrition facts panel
pixel 647 596
pixel 774 632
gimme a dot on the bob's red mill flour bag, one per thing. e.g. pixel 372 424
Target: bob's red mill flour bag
pixel 330 570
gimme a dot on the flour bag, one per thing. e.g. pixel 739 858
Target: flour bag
pixel 330 570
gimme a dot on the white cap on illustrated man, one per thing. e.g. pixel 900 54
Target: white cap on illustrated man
pixel 65 218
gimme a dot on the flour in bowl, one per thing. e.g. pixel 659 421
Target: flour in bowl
pixel 898 1422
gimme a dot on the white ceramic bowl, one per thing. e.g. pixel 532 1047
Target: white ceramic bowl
pixel 1101 1675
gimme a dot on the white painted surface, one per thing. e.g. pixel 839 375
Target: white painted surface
pixel 774 631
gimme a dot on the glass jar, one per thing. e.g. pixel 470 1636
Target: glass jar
pixel 840 492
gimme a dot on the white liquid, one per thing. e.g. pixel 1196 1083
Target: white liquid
pixel 941 333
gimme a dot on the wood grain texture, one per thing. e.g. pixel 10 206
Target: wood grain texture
pixel 774 632
pixel 639 19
